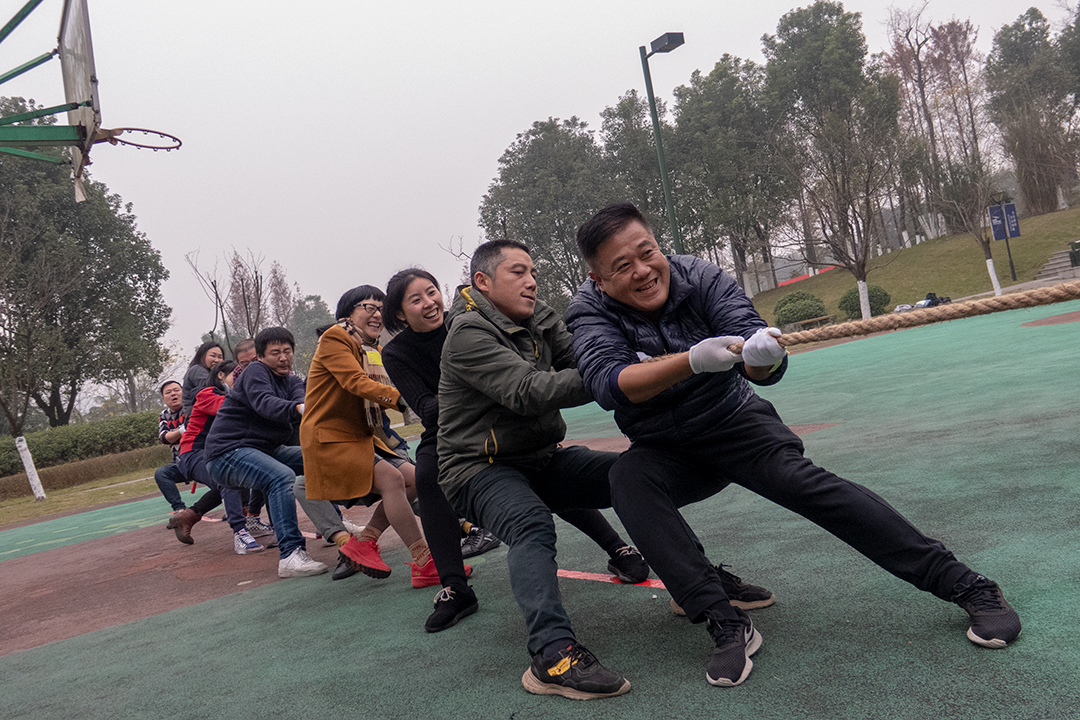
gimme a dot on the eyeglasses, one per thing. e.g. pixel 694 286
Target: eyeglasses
pixel 369 308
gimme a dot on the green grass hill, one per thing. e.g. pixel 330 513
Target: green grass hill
pixel 951 266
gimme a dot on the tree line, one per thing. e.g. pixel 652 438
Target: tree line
pixel 824 153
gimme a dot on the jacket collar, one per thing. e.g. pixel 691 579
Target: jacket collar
pixel 469 299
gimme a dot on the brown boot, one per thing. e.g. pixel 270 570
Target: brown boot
pixel 182 522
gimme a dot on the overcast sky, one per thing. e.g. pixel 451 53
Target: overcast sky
pixel 348 139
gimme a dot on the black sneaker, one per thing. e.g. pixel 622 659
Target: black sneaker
pixel 478 542
pixel 576 674
pixel 994 624
pixel 451 605
pixel 740 594
pixel 736 640
pixel 628 565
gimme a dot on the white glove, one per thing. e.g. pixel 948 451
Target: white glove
pixel 762 350
pixel 712 354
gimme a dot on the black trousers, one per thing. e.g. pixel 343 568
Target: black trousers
pixel 440 521
pixel 754 449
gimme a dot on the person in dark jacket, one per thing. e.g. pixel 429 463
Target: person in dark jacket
pixel 246 446
pixel 657 340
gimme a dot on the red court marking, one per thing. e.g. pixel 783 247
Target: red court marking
pixel 1055 320
pixel 600 577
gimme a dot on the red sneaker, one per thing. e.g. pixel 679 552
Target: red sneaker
pixel 426 575
pixel 364 557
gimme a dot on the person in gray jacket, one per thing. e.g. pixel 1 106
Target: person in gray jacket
pixel 657 340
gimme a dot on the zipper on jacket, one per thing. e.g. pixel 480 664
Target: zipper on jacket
pixel 495 443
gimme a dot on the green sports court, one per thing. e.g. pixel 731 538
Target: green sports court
pixel 968 427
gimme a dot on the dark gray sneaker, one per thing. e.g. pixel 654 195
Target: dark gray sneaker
pixel 574 674
pixel 478 542
pixel 628 564
pixel 994 624
pixel 735 640
pixel 740 594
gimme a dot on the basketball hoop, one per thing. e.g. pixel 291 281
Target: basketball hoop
pixel 150 139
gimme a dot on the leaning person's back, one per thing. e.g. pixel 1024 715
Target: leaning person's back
pixel 257 413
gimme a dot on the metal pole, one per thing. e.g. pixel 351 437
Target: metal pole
pixel 676 237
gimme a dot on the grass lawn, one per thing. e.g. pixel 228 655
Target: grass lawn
pixel 129 486
pixel 951 267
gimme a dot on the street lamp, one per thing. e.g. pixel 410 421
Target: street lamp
pixel 663 44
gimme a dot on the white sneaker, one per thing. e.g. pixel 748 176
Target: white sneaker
pixel 244 544
pixel 299 564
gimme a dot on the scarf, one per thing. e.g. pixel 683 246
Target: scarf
pixel 371 362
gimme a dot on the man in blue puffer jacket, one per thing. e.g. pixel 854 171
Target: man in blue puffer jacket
pixel 654 337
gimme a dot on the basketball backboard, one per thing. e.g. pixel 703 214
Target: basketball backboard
pixel 75 49
pixel 80 78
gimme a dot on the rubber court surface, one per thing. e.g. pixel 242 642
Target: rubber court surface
pixel 970 428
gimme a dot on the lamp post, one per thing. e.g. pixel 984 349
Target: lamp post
pixel 663 44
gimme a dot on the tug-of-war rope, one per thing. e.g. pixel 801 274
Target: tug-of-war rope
pixel 926 316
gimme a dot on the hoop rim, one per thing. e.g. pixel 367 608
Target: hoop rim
pixel 112 136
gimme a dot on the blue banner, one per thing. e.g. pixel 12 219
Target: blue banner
pixel 1012 222
pixel 997 222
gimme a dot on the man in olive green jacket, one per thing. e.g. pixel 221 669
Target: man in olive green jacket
pixel 507 367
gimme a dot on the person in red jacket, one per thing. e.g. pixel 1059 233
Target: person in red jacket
pixel 192 464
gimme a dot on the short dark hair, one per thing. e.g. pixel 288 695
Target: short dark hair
pixel 200 353
pixel 273 335
pixel 609 221
pixel 243 346
pixel 225 366
pixel 487 256
pixel 395 295
pixel 166 384
pixel 354 297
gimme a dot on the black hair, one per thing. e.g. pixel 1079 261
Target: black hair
pixel 487 256
pixel 273 335
pixel 225 366
pixel 200 353
pixel 354 297
pixel 604 224
pixel 395 295
pixel 166 384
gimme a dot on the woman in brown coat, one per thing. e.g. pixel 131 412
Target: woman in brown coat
pixel 346 460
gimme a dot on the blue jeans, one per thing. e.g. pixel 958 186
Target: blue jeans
pixel 516 505
pixel 167 478
pixel 192 465
pixel 272 473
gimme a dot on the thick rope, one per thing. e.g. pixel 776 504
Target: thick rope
pixel 926 316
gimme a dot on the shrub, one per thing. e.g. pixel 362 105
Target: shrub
pixel 802 308
pixel 70 443
pixel 879 301
pixel 84 471
pixel 794 297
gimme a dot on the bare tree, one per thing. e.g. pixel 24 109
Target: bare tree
pixel 249 299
